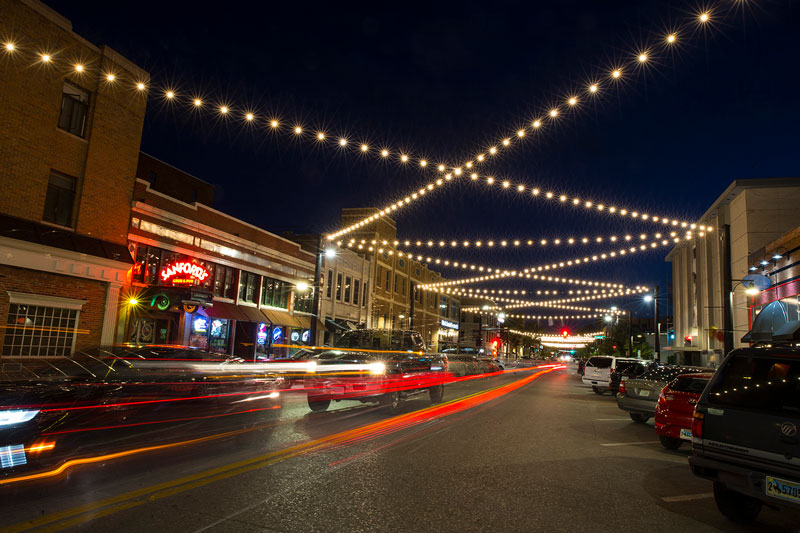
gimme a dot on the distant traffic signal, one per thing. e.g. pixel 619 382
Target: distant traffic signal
pixel 565 333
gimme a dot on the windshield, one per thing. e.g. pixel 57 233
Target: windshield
pixel 768 384
pixel 689 384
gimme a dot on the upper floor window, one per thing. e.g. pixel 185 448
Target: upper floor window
pixel 330 283
pixel 60 200
pixel 248 287
pixel 348 282
pixel 74 110
pixel 224 282
pixel 356 291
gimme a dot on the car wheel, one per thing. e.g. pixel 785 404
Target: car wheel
pixel 735 506
pixel 596 390
pixel 670 443
pixel 436 393
pixel 639 419
pixel 392 400
pixel 318 405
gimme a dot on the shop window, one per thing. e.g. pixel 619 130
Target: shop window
pixel 60 200
pixel 339 287
pixel 74 110
pixel 275 293
pixel 248 287
pixel 330 283
pixel 208 284
pixel 140 264
pixel 224 282
pixel 39 330
pixel 356 287
pixel 348 283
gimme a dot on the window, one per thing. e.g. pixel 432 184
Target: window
pixel 74 110
pixel 224 282
pixel 403 286
pixel 378 276
pixel 396 283
pixel 339 286
pixel 356 287
pixel 275 293
pixel 248 286
pixel 304 301
pixel 348 282
pixel 769 385
pixel 330 282
pixel 364 296
pixel 60 199
pixel 388 281
pixel 42 326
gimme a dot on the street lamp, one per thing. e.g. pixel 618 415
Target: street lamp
pixel 301 286
pixel 608 318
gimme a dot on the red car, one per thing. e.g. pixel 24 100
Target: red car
pixel 675 409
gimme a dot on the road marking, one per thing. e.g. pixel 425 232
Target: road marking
pixel 613 419
pixel 688 497
pixel 630 443
pixel 87 512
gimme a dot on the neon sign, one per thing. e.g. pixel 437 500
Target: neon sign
pixel 183 273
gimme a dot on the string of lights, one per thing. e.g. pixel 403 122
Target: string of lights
pixel 561 264
pixel 195 102
pixel 515 243
pixel 515 302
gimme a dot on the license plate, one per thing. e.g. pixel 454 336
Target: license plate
pixel 644 393
pixel 686 434
pixel 782 489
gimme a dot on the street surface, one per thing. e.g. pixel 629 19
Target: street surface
pixel 548 456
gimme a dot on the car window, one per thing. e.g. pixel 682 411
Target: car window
pixel 770 384
pixel 599 362
pixel 689 384
pixel 628 367
pixel 666 373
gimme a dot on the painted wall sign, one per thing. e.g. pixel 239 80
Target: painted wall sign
pixel 183 273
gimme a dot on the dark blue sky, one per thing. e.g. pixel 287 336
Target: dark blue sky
pixel 445 79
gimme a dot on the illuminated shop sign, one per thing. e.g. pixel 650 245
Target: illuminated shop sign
pixel 261 335
pixel 448 324
pixel 306 335
pixel 200 325
pixel 277 333
pixel 295 336
pixel 183 273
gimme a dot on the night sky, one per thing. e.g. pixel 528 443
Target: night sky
pixel 447 80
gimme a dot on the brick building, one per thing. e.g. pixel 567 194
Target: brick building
pixel 68 156
pixel 396 302
pixel 206 279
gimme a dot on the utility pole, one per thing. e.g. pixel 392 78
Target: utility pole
pixel 630 333
pixel 413 292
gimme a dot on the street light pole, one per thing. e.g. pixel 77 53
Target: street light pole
pixel 315 304
pixel 657 326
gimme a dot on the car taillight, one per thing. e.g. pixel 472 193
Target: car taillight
pixel 697 425
pixel 622 386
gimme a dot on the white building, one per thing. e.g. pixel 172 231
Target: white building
pixel 710 305
pixel 346 295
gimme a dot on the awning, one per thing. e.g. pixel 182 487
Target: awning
pixel 253 314
pixel 226 310
pixel 304 320
pixel 281 318
pixel 333 326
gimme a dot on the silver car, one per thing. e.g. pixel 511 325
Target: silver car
pixel 639 395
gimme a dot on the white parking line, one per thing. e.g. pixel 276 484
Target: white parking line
pixel 630 443
pixel 688 497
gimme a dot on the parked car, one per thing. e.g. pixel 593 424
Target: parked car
pixel 385 366
pixel 675 407
pixel 597 372
pixel 638 396
pixel 628 369
pixel 111 399
pixel 746 427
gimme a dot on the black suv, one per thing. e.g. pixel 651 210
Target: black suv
pixel 746 428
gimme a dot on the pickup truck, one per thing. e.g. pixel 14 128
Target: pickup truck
pixel 373 365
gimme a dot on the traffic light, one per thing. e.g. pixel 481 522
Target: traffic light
pixel 565 333
pixel 495 346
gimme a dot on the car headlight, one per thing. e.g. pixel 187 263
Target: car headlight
pixel 377 368
pixel 311 366
pixel 16 416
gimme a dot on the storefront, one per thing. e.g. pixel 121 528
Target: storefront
pixel 447 335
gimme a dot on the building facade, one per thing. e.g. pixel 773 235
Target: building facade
pixel 206 279
pixel 68 158
pixel 779 260
pixel 710 308
pixel 397 303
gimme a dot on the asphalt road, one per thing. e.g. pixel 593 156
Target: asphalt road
pixel 549 455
